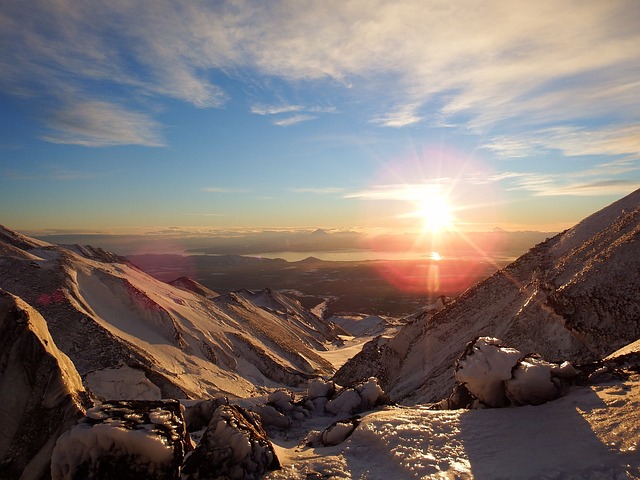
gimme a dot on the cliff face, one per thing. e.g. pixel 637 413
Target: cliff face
pixel 575 296
pixel 41 393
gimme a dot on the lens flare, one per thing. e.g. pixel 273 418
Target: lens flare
pixel 427 205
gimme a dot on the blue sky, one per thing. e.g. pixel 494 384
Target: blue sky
pixel 133 116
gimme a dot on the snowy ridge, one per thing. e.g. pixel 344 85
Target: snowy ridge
pixel 574 296
pixel 106 314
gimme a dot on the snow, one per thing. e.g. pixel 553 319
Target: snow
pixel 122 383
pixel 592 433
pixel 531 383
pixel 344 404
pixel 339 355
pixel 87 443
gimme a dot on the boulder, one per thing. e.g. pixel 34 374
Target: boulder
pixel 234 446
pixel 124 440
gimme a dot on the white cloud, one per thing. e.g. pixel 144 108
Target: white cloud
pixel 401 192
pixel 98 124
pixel 488 61
pixel 293 120
pixel 571 141
pixel 275 109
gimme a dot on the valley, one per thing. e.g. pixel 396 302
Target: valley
pixel 395 288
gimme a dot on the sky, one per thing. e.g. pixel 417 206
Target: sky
pixel 126 116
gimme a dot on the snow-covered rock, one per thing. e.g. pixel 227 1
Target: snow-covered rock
pixel 483 368
pixel 197 415
pixel 124 440
pixel 339 431
pixel 531 383
pixel 498 376
pixel 573 297
pixel 320 388
pixel 41 393
pixel 234 446
pixel 363 396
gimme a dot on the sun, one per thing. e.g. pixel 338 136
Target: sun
pixel 435 211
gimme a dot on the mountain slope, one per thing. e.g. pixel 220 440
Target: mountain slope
pixel 104 314
pixel 41 394
pixel 575 296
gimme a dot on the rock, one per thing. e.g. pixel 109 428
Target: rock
pixel 272 417
pixel 363 396
pixel 234 446
pixel 460 397
pixel 345 403
pixel 319 388
pixel 124 440
pixel 339 431
pixel 199 415
pixel 531 383
pixel 483 367
pixel 41 393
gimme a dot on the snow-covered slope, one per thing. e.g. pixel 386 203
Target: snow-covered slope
pixel 575 296
pixel 109 318
pixel 592 433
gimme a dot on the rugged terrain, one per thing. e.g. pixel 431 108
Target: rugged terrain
pixel 575 296
pixel 119 325
pixel 253 370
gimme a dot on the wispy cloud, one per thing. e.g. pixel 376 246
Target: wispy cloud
pixel 401 118
pixel 478 63
pixel 401 192
pixel 293 120
pixel 571 140
pixel 50 173
pixel 585 184
pixel 99 124
pixel 275 109
pixel 281 112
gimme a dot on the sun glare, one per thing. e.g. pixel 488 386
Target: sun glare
pixel 435 212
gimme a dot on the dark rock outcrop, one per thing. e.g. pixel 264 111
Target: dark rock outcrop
pixel 234 446
pixel 41 393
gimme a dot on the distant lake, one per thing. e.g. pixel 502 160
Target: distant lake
pixel 362 255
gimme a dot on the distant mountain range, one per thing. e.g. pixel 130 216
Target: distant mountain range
pixel 493 243
pixel 576 296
